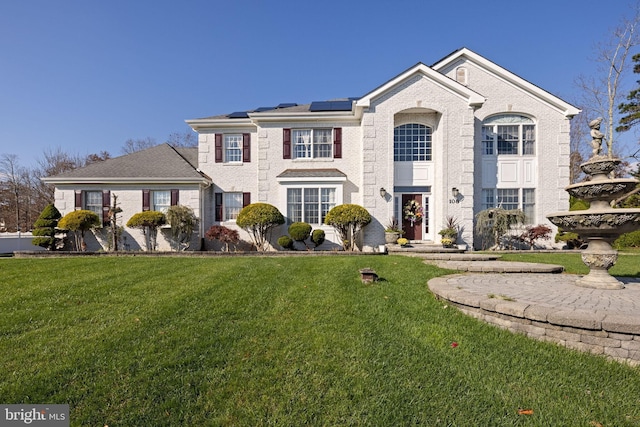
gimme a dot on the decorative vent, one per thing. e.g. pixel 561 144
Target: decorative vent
pixel 462 75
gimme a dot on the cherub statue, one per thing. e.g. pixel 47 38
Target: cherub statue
pixel 596 135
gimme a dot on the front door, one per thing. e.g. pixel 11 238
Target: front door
pixel 413 215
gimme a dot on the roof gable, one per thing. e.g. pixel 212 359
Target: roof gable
pixel 474 99
pixel 507 76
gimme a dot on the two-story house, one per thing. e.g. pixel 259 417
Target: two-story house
pixel 455 138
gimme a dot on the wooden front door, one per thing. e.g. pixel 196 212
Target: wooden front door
pixel 412 230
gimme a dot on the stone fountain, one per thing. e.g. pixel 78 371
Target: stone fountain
pixel 601 224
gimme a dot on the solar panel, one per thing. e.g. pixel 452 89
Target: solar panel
pixel 239 115
pixel 287 105
pixel 331 106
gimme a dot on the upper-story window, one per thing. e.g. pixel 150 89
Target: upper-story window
pixel 508 134
pixel 412 143
pixel 232 148
pixel 312 143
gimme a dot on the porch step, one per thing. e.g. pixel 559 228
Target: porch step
pixel 497 266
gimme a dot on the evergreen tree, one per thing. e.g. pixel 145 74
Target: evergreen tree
pixel 46 227
pixel 631 109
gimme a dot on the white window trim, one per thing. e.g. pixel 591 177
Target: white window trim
pixel 336 183
pixel 519 120
pixel 312 144
pixel 225 157
pixel 224 205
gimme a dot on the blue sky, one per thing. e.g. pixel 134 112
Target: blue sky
pixel 86 76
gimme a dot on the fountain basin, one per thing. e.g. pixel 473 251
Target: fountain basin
pixel 609 223
pixel 606 190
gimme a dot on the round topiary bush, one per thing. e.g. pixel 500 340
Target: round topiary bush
pixel 259 219
pixel 300 231
pixel 79 222
pixel 348 220
pixel 285 242
pixel 317 237
pixel 148 221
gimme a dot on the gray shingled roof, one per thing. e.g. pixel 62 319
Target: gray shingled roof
pixel 161 161
pixel 312 173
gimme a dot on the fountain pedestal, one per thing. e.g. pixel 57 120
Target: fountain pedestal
pixel 601 224
pixel 599 257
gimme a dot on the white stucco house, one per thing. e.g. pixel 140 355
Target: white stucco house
pixel 456 137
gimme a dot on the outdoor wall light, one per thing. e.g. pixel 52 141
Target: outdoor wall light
pixel 455 192
pixel 383 192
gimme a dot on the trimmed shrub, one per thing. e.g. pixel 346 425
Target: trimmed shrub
pixel 533 233
pixel 300 232
pixel 578 204
pixel 285 242
pixel 628 240
pixel 79 222
pixel 148 222
pixel 348 220
pixel 223 234
pixel 46 227
pixel 572 239
pixel 317 237
pixel 183 221
pixel 259 219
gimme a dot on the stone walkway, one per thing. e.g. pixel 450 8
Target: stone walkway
pixel 535 300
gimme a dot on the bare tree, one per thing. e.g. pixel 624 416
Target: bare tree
pixel 11 174
pixel 601 95
pixel 133 145
pixel 184 139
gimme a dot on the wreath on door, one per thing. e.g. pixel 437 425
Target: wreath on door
pixel 413 212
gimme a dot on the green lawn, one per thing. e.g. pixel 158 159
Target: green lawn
pixel 253 341
pixel 628 264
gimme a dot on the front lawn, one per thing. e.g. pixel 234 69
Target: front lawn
pixel 628 264
pixel 250 341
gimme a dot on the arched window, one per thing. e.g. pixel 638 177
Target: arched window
pixel 508 134
pixel 412 143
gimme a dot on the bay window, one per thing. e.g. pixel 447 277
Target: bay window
pixel 310 204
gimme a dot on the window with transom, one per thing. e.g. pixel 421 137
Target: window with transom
pixel 508 134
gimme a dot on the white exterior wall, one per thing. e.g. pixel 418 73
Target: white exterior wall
pixel 260 176
pixel 548 170
pixel 130 201
pixel 422 101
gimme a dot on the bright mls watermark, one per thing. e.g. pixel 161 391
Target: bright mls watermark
pixel 34 415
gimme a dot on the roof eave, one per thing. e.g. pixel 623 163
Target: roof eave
pixel 124 180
